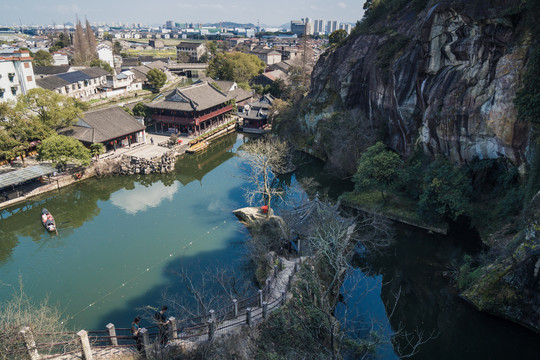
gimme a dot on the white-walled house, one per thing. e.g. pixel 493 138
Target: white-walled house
pixel 16 75
pixel 60 57
pixel 122 84
pixel 105 53
pixel 85 84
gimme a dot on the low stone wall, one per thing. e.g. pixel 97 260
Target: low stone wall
pixel 130 165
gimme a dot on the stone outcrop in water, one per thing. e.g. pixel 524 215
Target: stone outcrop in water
pixel 444 78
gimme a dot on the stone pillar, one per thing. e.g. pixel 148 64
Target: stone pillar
pixel 298 246
pixel 235 307
pixel 248 316
pixel 174 332
pixel 85 343
pixel 211 329
pixel 112 334
pixel 260 298
pixel 146 342
pixel 265 310
pixel 30 343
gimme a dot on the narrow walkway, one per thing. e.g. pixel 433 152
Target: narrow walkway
pixel 274 300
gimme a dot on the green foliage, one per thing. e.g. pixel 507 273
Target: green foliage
pixel 212 47
pixel 244 86
pixel 63 40
pixel 117 47
pixel 337 36
pixel 390 49
pixel 52 109
pixel 63 149
pixel 54 49
pixel 102 64
pixel 235 66
pixel 301 317
pixel 97 149
pixel 128 110
pixel 446 194
pixel 378 10
pixel 140 109
pixel 377 168
pixel 43 58
pixel 156 78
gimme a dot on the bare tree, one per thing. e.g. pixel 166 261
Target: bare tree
pixel 46 323
pixel 263 158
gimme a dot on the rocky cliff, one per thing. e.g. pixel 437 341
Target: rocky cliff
pixel 443 77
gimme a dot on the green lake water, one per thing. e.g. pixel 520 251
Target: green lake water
pixel 122 237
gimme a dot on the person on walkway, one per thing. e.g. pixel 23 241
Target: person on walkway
pixel 163 325
pixel 135 333
pixel 152 140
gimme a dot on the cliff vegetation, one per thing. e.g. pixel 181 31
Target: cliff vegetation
pixel 451 87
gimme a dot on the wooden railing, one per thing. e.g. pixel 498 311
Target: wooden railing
pixel 191 121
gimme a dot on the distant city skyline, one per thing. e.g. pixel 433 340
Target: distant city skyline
pixel 276 13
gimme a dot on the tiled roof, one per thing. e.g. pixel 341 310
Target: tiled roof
pixel 101 125
pixel 55 81
pixel 50 70
pixel 196 97
pixel 188 45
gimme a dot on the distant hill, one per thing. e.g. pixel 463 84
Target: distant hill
pixel 230 25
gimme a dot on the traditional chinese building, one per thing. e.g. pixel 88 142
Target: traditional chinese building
pixel 112 126
pixel 255 115
pixel 192 110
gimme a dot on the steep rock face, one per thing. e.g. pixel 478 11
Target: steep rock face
pixel 510 287
pixel 447 82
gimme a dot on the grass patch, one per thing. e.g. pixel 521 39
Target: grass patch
pixel 398 208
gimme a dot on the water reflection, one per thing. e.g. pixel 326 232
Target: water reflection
pixel 141 197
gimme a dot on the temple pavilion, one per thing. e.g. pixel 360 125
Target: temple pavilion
pixel 192 110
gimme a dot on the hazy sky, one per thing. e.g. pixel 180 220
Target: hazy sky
pixel 276 12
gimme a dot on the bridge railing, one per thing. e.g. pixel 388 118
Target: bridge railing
pixel 240 312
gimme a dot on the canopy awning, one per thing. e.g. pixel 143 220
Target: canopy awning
pixel 30 173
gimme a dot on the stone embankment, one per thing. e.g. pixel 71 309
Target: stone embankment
pixel 130 165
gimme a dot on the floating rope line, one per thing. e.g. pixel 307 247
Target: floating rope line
pixel 204 234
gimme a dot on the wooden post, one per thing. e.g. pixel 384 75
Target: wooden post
pixel 212 314
pixel 283 297
pixel 112 334
pixel 275 271
pixel 235 307
pixel 174 331
pixel 30 343
pixel 211 329
pixel 146 342
pixel 295 268
pixel 85 343
pixel 260 298
pixel 265 310
pixel 248 316
pixel 298 246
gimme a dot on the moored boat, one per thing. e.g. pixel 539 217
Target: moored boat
pixel 47 220
pixel 200 146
